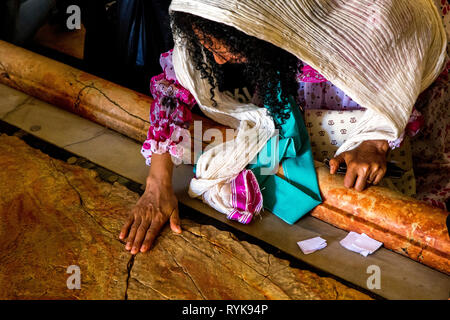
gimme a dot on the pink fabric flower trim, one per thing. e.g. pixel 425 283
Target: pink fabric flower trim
pixel 161 145
pixel 170 113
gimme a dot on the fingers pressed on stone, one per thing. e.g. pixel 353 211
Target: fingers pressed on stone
pixel 142 230
pixel 175 223
pixel 151 235
pixel 350 178
pixel 132 234
pixel 361 182
pixel 126 227
pixel 372 176
pixel 334 163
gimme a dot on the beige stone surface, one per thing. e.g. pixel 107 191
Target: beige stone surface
pixel 10 100
pixel 53 122
pixel 53 215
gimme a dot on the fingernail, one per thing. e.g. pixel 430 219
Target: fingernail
pixel 128 246
pixel 143 249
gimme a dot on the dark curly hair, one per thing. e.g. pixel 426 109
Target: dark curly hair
pixel 265 65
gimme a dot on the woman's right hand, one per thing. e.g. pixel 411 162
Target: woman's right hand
pixel 157 205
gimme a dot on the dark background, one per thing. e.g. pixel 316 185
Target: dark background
pixel 124 38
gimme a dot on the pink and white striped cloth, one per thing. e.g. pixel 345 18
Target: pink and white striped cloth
pixel 246 197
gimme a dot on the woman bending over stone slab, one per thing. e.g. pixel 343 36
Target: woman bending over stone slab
pixel 297 80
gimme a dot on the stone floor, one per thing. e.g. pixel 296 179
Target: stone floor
pixel 402 278
pixel 54 215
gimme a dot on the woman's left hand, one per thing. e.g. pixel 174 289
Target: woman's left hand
pixel 366 164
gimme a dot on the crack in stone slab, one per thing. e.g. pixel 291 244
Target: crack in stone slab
pixel 184 271
pixel 129 267
pixel 100 133
pixel 92 86
pixel 336 292
pixel 77 102
pixel 17 108
pixel 220 247
pixel 82 205
pixel 151 288
pixel 243 262
pixel 267 276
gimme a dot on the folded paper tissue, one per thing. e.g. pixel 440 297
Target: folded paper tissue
pixel 311 245
pixel 360 243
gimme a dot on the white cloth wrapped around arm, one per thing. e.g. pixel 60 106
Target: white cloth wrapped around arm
pixel 371 126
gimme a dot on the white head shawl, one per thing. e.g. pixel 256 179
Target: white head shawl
pixel 382 54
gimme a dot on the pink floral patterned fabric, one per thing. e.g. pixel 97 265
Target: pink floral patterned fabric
pixel 170 113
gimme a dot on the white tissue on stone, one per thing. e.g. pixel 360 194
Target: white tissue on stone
pixel 360 243
pixel 310 245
